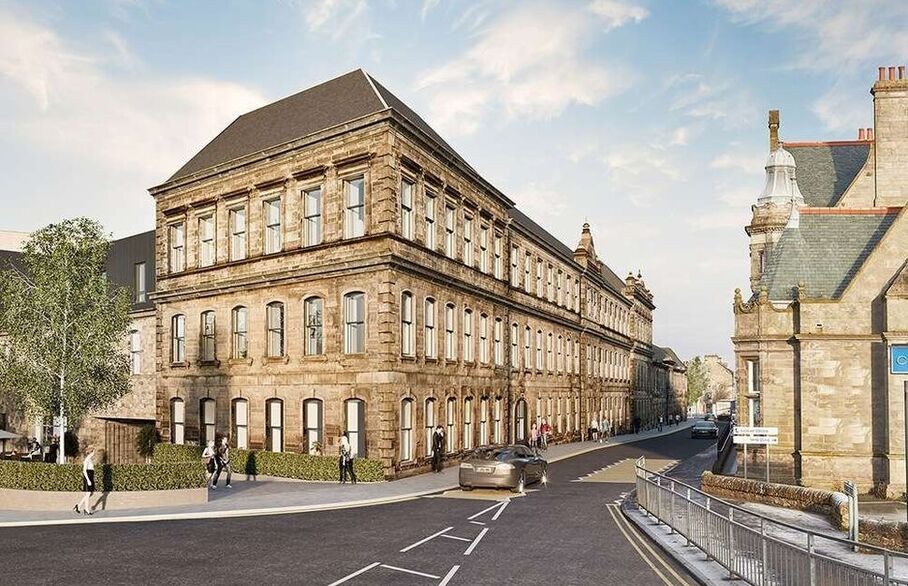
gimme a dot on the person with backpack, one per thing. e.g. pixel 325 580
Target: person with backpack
pixel 438 448
pixel 222 461
pixel 208 455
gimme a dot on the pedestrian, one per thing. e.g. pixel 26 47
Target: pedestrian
pixel 88 483
pixel 678 419
pixel 544 430
pixel 660 423
pixel 344 452
pixel 594 429
pixel 534 437
pixel 438 448
pixel 636 424
pixel 605 430
pixel 208 455
pixel 222 461
pixel 349 460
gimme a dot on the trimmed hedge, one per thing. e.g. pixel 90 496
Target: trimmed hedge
pixel 108 477
pixel 177 453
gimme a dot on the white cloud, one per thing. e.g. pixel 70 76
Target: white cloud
pixel 427 6
pixel 616 14
pixel 844 108
pixel 645 174
pixel 539 201
pixel 696 96
pixel 336 17
pixel 722 218
pixel 749 163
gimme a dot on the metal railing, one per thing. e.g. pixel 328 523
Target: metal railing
pixel 760 550
pixel 724 447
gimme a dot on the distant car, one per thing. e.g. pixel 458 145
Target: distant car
pixel 709 417
pixel 514 467
pixel 706 429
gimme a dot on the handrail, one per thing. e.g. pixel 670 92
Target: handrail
pixel 722 448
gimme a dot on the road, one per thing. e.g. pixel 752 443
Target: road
pixel 567 532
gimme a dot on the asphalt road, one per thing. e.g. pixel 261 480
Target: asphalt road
pixel 567 532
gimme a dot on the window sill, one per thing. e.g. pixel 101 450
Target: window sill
pixel 313 357
pixel 183 364
pixel 275 359
pixel 469 363
pixel 408 358
pixel 237 361
pixel 210 363
pixel 431 359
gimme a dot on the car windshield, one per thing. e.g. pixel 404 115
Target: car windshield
pixel 709 424
pixel 499 454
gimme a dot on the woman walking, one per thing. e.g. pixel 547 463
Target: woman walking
pixel 349 462
pixel 208 456
pixel 88 482
pixel 222 461
pixel 342 460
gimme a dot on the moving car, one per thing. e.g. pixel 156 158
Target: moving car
pixel 704 429
pixel 514 467
pixel 709 417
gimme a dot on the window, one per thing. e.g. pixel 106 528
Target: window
pixel 312 426
pixel 576 356
pixel 206 351
pixel 549 285
pixel 178 338
pixel 549 353
pixel 450 422
pixel 273 226
pixel 177 421
pixel 274 425
pixel 527 273
pixel 407 329
pixel 449 231
pixel 484 249
pixel 499 425
pixel 430 219
pixel 515 335
pixel 240 325
pixel 559 288
pixel 559 355
pixel 498 346
pixel 538 349
pixel 206 421
pixel 241 423
pixel 177 236
pixel 468 424
pixel 312 216
pixel 406 430
pixel 355 208
pixel 141 292
pixel 468 241
pixel 468 335
pixel 496 249
pixel 135 352
pixel 527 353
pixel 539 267
pixel 312 313
pixel 355 426
pixel 515 266
pixel 354 323
pixel 431 343
pixel 483 420
pixel 430 424
pixel 206 240
pixel 484 338
pixel 237 233
pixel 274 316
pixel 406 209
pixel 520 421
pixel 450 343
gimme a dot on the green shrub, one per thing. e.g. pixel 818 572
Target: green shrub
pixel 177 453
pixel 109 477
pixel 146 440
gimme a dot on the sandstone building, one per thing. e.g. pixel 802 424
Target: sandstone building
pixel 828 309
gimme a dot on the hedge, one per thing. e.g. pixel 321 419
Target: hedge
pixel 108 477
pixel 280 464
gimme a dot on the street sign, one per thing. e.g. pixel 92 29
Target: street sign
pixel 756 430
pixel 899 358
pixel 762 440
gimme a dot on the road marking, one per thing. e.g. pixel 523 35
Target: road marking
pixel 476 541
pixel 611 510
pixel 498 514
pixel 429 538
pixel 448 576
pixel 477 522
pixel 644 543
pixel 486 510
pixel 414 572
pixel 457 538
pixel 354 574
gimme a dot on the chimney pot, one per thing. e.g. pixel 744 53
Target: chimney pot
pixel 860 134
pixel 869 134
pixel 891 73
pixel 882 73
pixel 901 72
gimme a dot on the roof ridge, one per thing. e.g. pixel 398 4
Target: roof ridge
pixel 374 89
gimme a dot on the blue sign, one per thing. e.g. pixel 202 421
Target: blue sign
pixel 899 357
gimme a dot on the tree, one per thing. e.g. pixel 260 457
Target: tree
pixel 697 380
pixel 64 325
pixel 147 438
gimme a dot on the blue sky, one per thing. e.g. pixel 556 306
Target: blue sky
pixel 645 118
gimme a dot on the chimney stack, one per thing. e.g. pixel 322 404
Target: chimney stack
pixel 890 137
pixel 773 130
pixel 869 134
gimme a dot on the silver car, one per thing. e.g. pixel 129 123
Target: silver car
pixel 514 467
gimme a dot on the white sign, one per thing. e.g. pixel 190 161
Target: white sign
pixel 59 421
pixel 763 440
pixel 756 431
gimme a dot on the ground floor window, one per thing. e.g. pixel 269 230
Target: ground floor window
pixel 430 424
pixel 499 424
pixel 468 424
pixel 206 421
pixel 177 421
pixel 520 420
pixel 312 425
pixel 483 420
pixel 355 426
pixel 274 426
pixel 406 430
pixel 241 423
pixel 450 421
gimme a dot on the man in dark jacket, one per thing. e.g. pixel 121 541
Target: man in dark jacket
pixel 438 448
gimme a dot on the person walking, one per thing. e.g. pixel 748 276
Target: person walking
pixel 344 453
pixel 544 434
pixel 660 423
pixel 636 424
pixel 534 437
pixel 594 429
pixel 222 461
pixel 606 430
pixel 88 483
pixel 349 461
pixel 438 448
pixel 208 455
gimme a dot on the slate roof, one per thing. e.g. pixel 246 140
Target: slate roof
pixel 825 252
pixel 661 354
pixel 329 104
pixel 824 171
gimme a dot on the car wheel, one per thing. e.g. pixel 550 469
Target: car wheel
pixel 466 488
pixel 521 483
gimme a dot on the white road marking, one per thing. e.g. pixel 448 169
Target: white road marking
pixel 421 541
pixel 354 574
pixel 484 511
pixel 477 522
pixel 498 514
pixel 643 542
pixel 476 541
pixel 457 538
pixel 448 576
pixel 414 572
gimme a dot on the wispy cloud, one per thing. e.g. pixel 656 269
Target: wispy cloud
pixel 697 96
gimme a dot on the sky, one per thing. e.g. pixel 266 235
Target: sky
pixel 645 118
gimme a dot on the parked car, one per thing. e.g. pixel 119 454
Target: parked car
pixel 514 467
pixel 706 429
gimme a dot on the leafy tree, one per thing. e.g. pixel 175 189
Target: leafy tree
pixel 64 325
pixel 147 438
pixel 697 380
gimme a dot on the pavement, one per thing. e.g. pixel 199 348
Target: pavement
pixel 282 496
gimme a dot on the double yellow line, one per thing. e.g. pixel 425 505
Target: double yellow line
pixel 650 556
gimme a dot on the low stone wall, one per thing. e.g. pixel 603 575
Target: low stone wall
pixel 888 534
pixel 39 500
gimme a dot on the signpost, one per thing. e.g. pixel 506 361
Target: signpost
pixel 760 436
pixel 851 491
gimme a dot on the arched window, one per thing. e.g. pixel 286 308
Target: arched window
pixel 406 430
pixel 274 425
pixel 498 342
pixel 407 328
pixel 430 424
pixel 450 332
pixel 313 425
pixel 483 338
pixel 240 327
pixel 240 417
pixel 429 338
pixel 206 421
pixel 177 421
pixel 206 351
pixel 178 338
pixel 559 355
pixel 515 341
pixel 312 313
pixel 483 420
pixel 549 353
pixel 520 421
pixel 450 422
pixel 468 423
pixel 468 335
pixel 527 353
pixel 355 323
pixel 355 426
pixel 274 315
pixel 499 423
pixel 539 350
